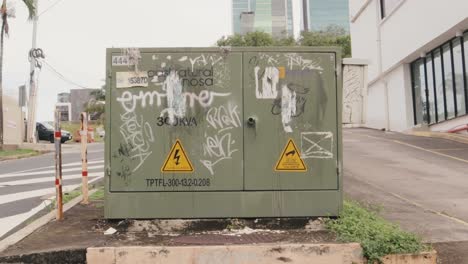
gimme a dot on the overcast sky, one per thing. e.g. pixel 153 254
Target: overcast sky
pixel 75 33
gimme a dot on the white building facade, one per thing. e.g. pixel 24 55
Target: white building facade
pixel 417 52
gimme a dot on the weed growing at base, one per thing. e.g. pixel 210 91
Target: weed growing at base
pixel 98 195
pixel 376 236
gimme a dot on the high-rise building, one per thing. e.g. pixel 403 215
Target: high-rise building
pixel 247 20
pixel 319 14
pixel 271 16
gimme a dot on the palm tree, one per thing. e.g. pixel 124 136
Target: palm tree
pixel 6 13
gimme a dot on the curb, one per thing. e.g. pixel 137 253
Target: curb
pixel 421 258
pixel 38 223
pixel 233 254
pixel 449 136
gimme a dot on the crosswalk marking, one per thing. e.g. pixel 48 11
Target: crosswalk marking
pixel 63 166
pixel 34 183
pixel 10 222
pixel 8 198
pixel 47 179
pixel 46 172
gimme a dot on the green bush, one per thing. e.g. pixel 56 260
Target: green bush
pixel 376 236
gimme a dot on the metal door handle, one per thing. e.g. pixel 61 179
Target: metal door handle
pixel 251 121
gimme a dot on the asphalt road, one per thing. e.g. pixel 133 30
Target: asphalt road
pixel 26 185
pixel 419 183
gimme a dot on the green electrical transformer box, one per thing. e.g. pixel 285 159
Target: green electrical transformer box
pixel 223 132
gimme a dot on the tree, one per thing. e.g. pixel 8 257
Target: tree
pixel 95 107
pixel 331 36
pixel 6 13
pixel 255 39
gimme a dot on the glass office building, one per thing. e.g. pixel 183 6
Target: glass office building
pixel 319 14
pixel 271 16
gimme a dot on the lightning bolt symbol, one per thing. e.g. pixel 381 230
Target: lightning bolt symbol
pixel 177 156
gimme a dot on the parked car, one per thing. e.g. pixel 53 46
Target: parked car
pixel 45 131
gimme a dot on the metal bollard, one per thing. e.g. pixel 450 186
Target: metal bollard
pixel 84 157
pixel 58 166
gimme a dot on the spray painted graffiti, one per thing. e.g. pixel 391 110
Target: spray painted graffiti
pixel 353 80
pixel 223 117
pixel 220 146
pixel 318 145
pixel 137 135
pixel 296 60
pixel 203 60
pixel 129 101
pixel 217 148
pixel 301 100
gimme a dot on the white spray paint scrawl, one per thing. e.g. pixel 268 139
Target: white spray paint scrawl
pixel 288 107
pixel 220 146
pixel 269 83
pixel 175 97
pixel 318 145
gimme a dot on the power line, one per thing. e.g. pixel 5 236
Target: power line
pixel 61 76
pixel 50 7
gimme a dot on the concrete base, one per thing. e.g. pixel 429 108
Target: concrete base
pixel 259 254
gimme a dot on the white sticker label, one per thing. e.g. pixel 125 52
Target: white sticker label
pixel 120 61
pixel 132 79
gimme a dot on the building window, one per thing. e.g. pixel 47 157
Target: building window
pixel 387 6
pixel 439 83
pixel 458 73
pixel 432 99
pixel 419 88
pixel 448 81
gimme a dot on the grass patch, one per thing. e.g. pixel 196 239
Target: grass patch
pixel 98 195
pixel 376 236
pixel 68 196
pixel 8 153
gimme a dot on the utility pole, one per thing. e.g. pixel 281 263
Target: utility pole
pixel 305 11
pixel 33 83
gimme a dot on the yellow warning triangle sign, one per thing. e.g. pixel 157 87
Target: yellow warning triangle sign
pixel 177 160
pixel 290 160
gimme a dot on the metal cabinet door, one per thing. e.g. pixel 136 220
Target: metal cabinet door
pixel 176 124
pixel 290 96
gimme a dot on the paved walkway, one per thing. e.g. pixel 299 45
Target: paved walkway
pixel 420 183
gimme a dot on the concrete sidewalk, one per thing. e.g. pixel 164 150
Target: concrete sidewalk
pixel 421 183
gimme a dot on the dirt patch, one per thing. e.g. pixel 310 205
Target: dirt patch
pixel 84 227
